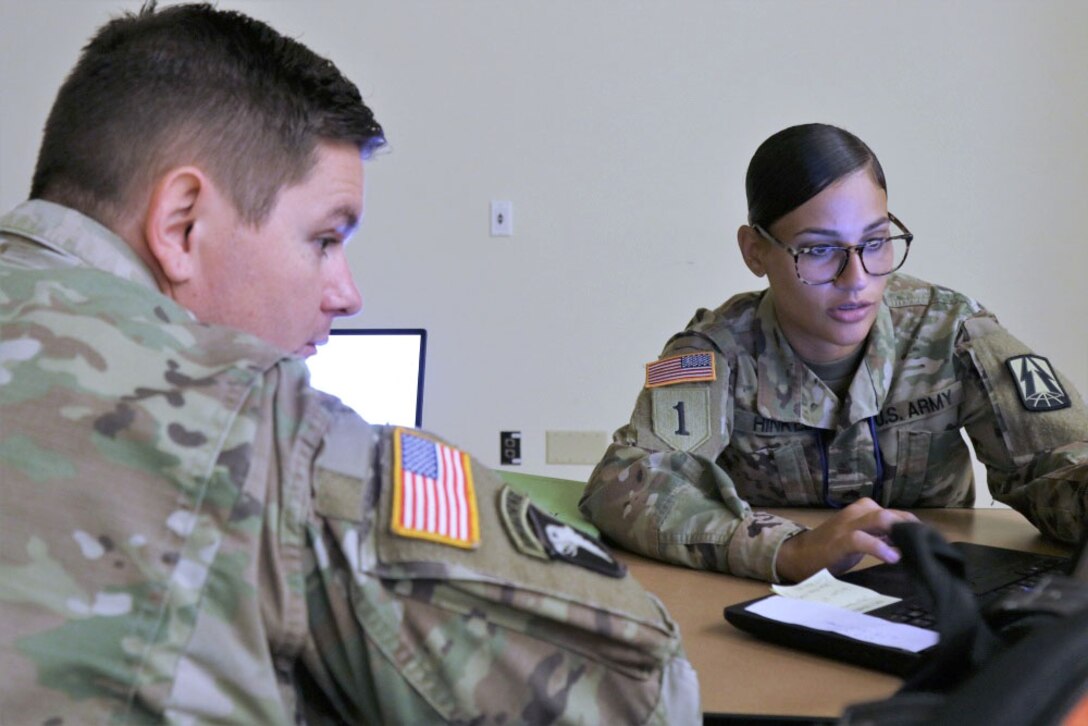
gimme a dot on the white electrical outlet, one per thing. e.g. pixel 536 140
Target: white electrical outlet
pixel 502 218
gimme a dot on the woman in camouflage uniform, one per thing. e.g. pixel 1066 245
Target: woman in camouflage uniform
pixel 845 384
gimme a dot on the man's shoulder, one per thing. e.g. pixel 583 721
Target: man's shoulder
pixel 113 316
pixel 134 354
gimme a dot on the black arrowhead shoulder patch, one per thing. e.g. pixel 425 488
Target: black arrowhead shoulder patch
pixel 567 543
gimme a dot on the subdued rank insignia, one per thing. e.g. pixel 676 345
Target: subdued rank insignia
pixel 570 544
pixel 1037 383
pixel 514 510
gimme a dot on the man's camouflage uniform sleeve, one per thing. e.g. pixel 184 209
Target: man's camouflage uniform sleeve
pixel 1028 425
pixel 409 628
pixel 189 533
pixel 660 491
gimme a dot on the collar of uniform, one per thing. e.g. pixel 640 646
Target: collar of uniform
pixel 790 392
pixel 870 385
pixel 77 238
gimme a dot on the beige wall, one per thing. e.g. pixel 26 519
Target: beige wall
pixel 621 130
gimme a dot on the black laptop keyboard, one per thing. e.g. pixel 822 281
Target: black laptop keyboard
pixel 991 571
pixel 987 582
pixel 1027 576
pixel 911 615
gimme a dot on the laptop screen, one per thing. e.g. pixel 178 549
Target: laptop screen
pixel 378 372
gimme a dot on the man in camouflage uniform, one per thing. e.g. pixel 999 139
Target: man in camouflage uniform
pixel 190 533
pixel 753 426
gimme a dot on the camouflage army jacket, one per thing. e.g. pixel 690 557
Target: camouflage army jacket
pixel 732 419
pixel 189 533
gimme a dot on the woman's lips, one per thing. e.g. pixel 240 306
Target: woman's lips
pixel 850 312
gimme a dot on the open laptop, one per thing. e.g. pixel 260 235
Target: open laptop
pixel 992 572
pixel 376 371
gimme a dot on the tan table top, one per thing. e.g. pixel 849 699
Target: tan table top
pixel 742 675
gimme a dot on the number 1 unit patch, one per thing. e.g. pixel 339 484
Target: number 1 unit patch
pixel 681 415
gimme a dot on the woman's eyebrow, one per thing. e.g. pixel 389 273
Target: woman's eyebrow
pixel 834 233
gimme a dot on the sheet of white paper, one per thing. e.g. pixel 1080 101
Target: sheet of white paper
pixel 826 588
pixel 858 626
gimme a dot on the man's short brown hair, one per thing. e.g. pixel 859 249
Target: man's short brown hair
pixel 191 84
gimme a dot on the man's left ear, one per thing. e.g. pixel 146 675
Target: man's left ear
pixel 173 215
pixel 751 248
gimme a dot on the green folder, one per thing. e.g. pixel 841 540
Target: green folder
pixel 558 497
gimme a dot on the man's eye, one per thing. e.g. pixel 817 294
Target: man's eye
pixel 876 244
pixel 327 242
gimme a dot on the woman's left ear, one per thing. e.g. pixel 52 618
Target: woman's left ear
pixel 752 248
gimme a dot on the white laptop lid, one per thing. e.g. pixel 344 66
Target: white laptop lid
pixel 377 371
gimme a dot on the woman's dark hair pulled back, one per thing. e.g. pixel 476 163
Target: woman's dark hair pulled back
pixel 799 162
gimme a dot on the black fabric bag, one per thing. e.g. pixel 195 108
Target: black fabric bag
pixel 1022 662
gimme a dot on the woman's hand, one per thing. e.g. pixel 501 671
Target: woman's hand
pixel 839 543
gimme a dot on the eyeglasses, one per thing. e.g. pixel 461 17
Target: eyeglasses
pixel 823 263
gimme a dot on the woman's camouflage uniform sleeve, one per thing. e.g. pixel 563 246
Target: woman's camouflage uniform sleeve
pixel 1029 426
pixel 659 490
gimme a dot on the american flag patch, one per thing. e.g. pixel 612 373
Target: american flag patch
pixel 684 368
pixel 433 496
